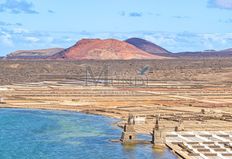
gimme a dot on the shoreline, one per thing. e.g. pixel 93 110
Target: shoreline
pixel 67 127
pixel 114 124
pixel 66 110
pixel 76 111
pixel 57 109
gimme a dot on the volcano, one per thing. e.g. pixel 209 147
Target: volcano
pixel 147 46
pixel 108 49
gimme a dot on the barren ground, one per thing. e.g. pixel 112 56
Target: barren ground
pixel 174 89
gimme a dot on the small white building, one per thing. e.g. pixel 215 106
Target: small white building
pixel 138 119
pixel 2 101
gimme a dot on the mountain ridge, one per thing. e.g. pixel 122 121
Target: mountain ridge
pixel 113 49
pixel 30 54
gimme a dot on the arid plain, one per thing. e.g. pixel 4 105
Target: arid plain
pixel 195 92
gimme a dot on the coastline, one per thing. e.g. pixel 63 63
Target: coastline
pixel 171 100
pixel 57 109
pixel 68 110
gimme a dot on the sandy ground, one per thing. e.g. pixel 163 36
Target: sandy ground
pixel 172 101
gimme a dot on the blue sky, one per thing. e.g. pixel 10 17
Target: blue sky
pixel 177 25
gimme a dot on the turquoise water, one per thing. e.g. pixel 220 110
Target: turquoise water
pixel 38 134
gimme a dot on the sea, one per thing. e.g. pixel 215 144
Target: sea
pixel 44 134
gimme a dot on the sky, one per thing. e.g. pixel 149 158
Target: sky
pixel 177 25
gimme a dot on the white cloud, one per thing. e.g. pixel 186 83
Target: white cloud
pixel 20 38
pixel 32 39
pixel 17 7
pixel 162 40
pixel 223 38
pixel 20 30
pixel 216 41
pixel 223 4
pixel 6 39
pixel 69 40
